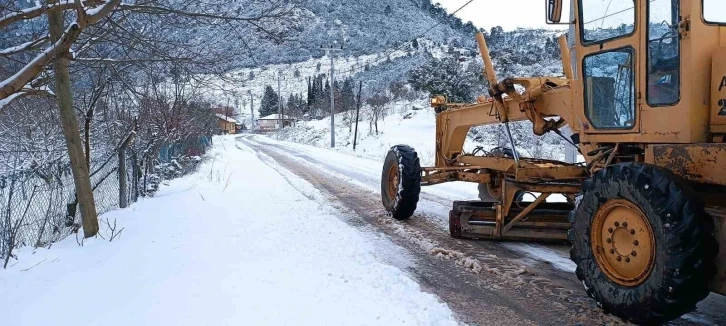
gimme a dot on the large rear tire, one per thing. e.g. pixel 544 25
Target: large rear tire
pixel 401 181
pixel 642 243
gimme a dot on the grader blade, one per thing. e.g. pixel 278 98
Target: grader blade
pixel 484 220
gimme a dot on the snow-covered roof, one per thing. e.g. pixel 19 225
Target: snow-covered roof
pixel 277 117
pixel 226 118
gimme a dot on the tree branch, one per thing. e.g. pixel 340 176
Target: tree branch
pixel 16 82
pixel 23 47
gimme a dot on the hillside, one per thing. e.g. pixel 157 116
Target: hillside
pixel 362 27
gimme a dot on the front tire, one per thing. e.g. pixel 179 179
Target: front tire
pixel 642 243
pixel 401 182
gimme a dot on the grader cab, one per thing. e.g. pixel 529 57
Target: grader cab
pixel 644 96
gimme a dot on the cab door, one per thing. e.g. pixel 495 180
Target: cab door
pixel 609 33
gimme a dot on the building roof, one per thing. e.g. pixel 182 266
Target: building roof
pixel 223 117
pixel 277 117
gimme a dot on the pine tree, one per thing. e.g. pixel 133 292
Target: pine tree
pixel 348 95
pixel 445 77
pixel 309 101
pixel 324 100
pixel 269 103
pixel 388 10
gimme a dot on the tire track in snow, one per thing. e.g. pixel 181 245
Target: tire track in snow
pixel 551 261
pixel 548 259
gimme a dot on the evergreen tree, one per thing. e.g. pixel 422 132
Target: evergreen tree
pixel 269 103
pixel 388 10
pixel 293 109
pixel 309 102
pixel 324 100
pixel 348 95
pixel 445 77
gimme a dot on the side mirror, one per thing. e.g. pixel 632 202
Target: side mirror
pixel 554 11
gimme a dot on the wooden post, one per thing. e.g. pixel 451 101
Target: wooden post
pixel 69 124
pixel 357 110
pixel 123 195
pixel 135 171
pixel 122 185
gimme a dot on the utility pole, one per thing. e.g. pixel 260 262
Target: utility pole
pixel 331 50
pixel 252 111
pixel 279 101
pixel 357 110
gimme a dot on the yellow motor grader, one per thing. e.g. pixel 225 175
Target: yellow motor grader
pixel 644 94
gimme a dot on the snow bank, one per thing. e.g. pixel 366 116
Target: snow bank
pixel 234 243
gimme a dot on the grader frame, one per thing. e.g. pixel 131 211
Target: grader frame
pixel 685 137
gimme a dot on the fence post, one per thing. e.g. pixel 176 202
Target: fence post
pixel 123 196
pixel 122 186
pixel 136 173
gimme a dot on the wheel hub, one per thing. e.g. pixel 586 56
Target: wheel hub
pixel 393 182
pixel 623 242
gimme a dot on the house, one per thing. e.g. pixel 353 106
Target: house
pixel 275 122
pixel 226 124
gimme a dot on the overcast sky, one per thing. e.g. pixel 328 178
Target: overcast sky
pixel 509 14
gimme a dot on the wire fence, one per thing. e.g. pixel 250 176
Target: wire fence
pixel 38 206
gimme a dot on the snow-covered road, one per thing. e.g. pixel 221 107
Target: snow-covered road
pixel 234 244
pixel 537 280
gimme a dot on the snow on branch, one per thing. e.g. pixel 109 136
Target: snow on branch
pixel 37 11
pixel 25 92
pixel 23 47
pixel 33 12
pixel 17 82
pixel 151 9
pixel 31 70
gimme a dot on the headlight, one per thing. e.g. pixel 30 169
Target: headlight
pixel 438 100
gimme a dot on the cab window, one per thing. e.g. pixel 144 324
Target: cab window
pixel 714 11
pixel 663 53
pixel 602 20
pixel 610 89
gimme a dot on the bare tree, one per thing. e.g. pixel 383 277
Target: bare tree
pixel 118 41
pixel 378 105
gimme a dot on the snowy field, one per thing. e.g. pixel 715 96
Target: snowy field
pixel 216 248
